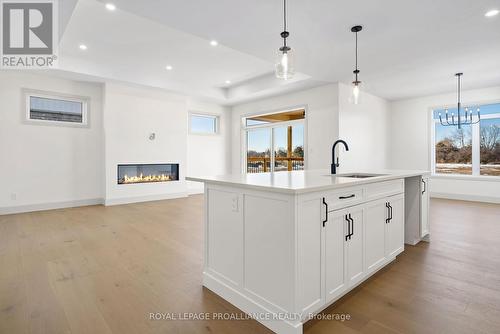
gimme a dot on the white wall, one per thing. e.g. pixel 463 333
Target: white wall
pixel 131 115
pixel 411 144
pixel 209 154
pixel 322 109
pixel 46 166
pixel 365 127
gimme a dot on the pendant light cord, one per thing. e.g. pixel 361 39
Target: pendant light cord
pixel 357 71
pixel 284 22
pixel 284 15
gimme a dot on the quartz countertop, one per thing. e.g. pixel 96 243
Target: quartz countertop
pixel 295 182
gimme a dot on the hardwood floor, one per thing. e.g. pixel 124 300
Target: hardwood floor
pixel 105 269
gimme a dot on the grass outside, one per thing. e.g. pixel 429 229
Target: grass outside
pixel 491 170
pixel 466 169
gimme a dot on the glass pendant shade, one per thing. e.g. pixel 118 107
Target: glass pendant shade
pixel 355 93
pixel 285 63
pixel 354 99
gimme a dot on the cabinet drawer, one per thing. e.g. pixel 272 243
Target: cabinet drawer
pixel 383 189
pixel 343 198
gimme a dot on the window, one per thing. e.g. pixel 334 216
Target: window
pixel 275 142
pixel 490 146
pixel 289 147
pixel 47 108
pixel 453 150
pixel 203 124
pixel 472 150
pixel 258 150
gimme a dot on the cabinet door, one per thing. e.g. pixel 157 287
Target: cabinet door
pixel 424 213
pixel 354 250
pixel 395 227
pixel 334 238
pixel 311 214
pixel 376 218
pixel 224 231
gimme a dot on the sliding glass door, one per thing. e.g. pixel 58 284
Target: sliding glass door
pixel 274 142
pixel 288 147
pixel 258 150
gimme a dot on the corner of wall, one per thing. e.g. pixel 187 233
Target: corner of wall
pixel 390 135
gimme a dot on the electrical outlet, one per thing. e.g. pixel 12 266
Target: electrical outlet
pixel 234 204
pixel 13 196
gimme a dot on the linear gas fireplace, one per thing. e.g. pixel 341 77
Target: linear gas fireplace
pixel 146 173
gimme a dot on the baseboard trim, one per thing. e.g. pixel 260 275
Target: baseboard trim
pixel 196 191
pixel 8 210
pixel 463 197
pixel 49 206
pixel 139 199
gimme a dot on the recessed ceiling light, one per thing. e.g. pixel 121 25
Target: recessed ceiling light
pixel 83 47
pixel 214 42
pixel 168 67
pixel 228 82
pixel 492 12
pixel 110 6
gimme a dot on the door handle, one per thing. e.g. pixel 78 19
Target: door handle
pixel 388 212
pixel 348 236
pixel 326 212
pixel 352 228
pixel 425 187
pixel 346 197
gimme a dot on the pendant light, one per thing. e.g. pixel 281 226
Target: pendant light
pixel 284 62
pixel 356 83
pixel 460 120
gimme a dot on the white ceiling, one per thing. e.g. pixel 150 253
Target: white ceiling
pixel 407 48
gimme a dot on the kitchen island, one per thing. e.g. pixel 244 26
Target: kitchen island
pixel 284 246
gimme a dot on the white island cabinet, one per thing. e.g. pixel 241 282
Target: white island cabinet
pixel 283 246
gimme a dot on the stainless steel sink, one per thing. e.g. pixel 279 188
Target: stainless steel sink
pixel 358 175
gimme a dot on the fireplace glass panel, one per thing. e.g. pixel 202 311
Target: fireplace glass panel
pixel 146 173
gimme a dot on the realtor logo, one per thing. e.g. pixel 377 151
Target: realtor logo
pixel 29 34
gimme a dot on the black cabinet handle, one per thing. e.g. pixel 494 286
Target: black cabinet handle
pixel 348 236
pixel 352 228
pixel 425 187
pixel 326 212
pixel 388 212
pixel 346 197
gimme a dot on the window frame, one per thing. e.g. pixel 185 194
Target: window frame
pixel 216 118
pixel 476 144
pixel 244 136
pixel 84 100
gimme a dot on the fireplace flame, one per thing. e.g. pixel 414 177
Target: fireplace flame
pixel 146 178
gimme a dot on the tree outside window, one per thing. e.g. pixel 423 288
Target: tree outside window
pixel 473 149
pixel 490 147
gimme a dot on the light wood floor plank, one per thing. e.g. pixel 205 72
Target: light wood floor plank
pixel 13 314
pixel 105 269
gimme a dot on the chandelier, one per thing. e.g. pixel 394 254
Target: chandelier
pixel 460 119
